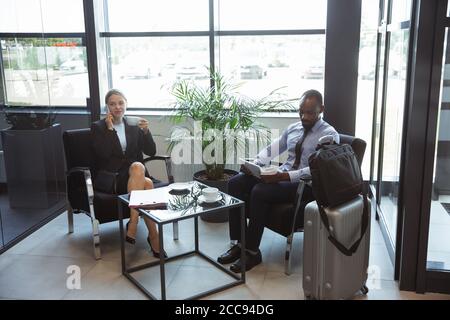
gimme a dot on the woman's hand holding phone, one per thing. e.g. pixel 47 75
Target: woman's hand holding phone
pixel 109 121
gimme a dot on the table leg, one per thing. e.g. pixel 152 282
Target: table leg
pixel 162 260
pixel 196 233
pixel 243 227
pixel 122 236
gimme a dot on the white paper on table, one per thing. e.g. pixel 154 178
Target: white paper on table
pixel 154 198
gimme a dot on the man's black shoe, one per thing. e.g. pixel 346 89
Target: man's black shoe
pixel 251 260
pixel 231 255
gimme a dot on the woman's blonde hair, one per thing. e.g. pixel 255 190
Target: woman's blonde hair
pixel 114 91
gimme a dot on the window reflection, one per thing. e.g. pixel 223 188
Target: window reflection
pixel 44 72
pixel 366 79
pixel 41 16
pixel 264 63
pixel 393 126
pixel 167 15
pixel 146 68
pixel 275 15
pixel 401 10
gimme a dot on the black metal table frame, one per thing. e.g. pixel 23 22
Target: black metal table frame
pixel 162 261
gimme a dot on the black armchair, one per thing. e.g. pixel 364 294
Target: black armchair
pixel 82 194
pixel 286 219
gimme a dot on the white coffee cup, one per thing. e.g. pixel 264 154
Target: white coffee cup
pixel 210 194
pixel 132 120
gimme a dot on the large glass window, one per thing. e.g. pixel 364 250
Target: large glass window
pixel 378 110
pixel 146 68
pixel 44 72
pixel 264 63
pixel 167 15
pixel 261 45
pixel 438 256
pixel 390 104
pixel 393 128
pixel 401 10
pixel 42 64
pixel 41 16
pixel 43 55
pixel 272 15
pixel 366 78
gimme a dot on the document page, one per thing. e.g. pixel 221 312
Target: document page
pixel 149 199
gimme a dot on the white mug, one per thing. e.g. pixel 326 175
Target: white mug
pixel 133 121
pixel 210 194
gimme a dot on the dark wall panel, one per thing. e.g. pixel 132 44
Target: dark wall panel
pixel 341 64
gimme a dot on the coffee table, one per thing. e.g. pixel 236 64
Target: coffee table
pixel 182 205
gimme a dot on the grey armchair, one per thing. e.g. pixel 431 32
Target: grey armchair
pixel 82 194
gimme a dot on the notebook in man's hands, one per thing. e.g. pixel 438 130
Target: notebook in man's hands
pixel 149 199
pixel 252 167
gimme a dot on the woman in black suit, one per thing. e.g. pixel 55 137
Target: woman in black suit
pixel 118 147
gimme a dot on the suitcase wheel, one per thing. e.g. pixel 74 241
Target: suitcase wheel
pixel 364 289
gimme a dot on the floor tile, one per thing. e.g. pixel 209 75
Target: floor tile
pixel 39 277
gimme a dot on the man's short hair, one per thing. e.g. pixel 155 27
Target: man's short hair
pixel 312 94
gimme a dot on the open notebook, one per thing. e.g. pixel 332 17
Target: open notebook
pixel 149 199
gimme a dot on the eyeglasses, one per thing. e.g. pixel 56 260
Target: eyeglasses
pixel 308 112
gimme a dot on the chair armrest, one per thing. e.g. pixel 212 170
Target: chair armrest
pixel 110 183
pixel 77 169
pixel 86 172
pixel 157 157
pixel 168 162
pixel 300 189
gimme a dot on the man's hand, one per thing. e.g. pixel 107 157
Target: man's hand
pixel 245 170
pixel 274 178
pixel 109 121
pixel 143 124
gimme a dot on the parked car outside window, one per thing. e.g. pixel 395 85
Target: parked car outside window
pixel 253 71
pixel 73 66
pixel 313 72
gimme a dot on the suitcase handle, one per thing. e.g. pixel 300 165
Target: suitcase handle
pixel 364 223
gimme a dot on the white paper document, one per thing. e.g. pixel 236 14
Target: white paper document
pixel 257 170
pixel 252 167
pixel 149 199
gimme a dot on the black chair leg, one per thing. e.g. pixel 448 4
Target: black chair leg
pixel 70 219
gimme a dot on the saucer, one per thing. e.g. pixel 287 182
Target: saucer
pixel 202 199
pixel 179 186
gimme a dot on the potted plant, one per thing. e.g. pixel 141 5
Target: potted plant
pixel 34 160
pixel 228 121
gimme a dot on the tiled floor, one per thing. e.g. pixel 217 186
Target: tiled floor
pixel 36 268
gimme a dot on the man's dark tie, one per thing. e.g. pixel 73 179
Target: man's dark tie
pixel 299 149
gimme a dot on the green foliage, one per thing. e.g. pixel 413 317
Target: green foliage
pixel 221 108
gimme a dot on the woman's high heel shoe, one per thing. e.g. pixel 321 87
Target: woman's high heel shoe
pixel 155 254
pixel 127 238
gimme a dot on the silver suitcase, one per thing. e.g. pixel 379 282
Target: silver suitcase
pixel 327 272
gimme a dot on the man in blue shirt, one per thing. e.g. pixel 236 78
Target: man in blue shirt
pixel 299 140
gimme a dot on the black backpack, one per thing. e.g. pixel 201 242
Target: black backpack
pixel 336 179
